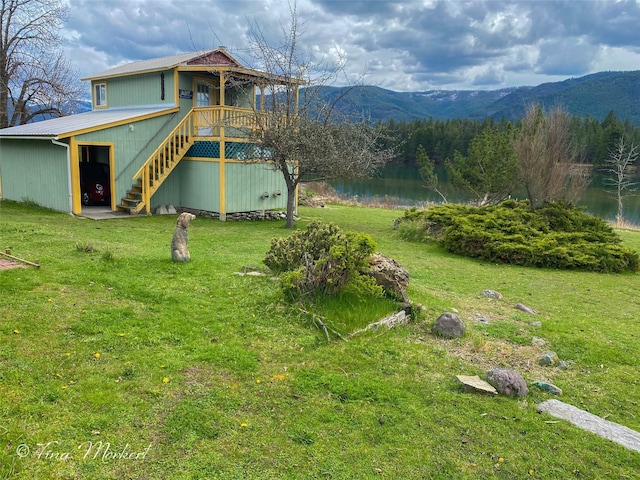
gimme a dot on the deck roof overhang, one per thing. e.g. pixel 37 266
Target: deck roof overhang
pixel 215 62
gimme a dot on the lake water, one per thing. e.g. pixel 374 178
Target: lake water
pixel 402 185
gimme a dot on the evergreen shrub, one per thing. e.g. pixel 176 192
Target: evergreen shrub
pixel 557 235
pixel 323 260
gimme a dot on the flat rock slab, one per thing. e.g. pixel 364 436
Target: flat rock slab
pixel 473 383
pixel 612 431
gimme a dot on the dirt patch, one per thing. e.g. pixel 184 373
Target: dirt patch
pixel 7 264
pixel 501 354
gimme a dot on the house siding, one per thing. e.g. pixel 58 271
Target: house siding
pixel 35 170
pixel 246 183
pixel 200 185
pixel 143 89
pixel 217 174
pixel 131 147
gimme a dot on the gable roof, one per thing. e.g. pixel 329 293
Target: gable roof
pixel 212 58
pixel 62 127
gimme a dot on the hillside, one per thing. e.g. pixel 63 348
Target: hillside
pixel 593 95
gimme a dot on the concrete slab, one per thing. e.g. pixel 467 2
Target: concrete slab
pixel 102 213
pixel 612 431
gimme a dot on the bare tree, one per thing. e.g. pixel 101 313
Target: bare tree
pixel 35 78
pixel 549 164
pixel 303 136
pixel 619 166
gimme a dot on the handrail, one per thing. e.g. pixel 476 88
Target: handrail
pixel 151 140
pixel 214 120
pixel 157 167
pixel 221 116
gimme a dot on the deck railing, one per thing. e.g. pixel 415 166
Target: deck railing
pixel 164 159
pixel 209 122
pixel 222 121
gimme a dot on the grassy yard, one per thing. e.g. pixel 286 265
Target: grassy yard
pixel 118 363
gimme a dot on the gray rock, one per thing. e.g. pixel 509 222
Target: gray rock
pixel 473 383
pixel 508 382
pixel 161 210
pixel 562 365
pixel 587 421
pixel 548 359
pixel 526 309
pixel 492 294
pixel 448 325
pixel 538 342
pixel 478 317
pixel 171 210
pixel 390 275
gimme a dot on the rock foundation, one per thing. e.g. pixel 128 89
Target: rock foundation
pixel 240 216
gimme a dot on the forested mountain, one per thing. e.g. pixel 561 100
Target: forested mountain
pixel 593 95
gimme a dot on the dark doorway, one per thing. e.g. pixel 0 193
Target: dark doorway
pixel 95 175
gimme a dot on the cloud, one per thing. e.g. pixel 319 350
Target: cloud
pixel 400 45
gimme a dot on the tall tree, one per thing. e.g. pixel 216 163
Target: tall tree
pixel 489 171
pixel 35 78
pixel 620 180
pixel 304 136
pixel 548 161
pixel 428 172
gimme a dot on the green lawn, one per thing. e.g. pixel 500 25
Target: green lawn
pixel 119 363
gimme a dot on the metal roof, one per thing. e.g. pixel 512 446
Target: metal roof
pixel 63 126
pixel 153 64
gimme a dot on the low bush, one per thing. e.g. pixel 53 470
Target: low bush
pixel 557 235
pixel 323 260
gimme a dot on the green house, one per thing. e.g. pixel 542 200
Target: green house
pixel 176 130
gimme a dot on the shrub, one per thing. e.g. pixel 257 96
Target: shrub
pixel 323 260
pixel 557 235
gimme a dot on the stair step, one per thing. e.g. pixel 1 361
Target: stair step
pixel 164 165
pixel 134 195
pixel 133 202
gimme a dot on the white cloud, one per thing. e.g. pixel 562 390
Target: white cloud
pixel 401 45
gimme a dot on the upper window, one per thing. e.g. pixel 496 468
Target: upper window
pixel 100 94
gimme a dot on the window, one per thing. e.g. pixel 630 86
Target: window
pixel 100 95
pixel 203 94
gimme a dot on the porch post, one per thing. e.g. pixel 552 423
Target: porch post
pixel 223 195
pixel 76 204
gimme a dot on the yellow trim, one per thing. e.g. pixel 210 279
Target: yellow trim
pixel 226 160
pixel 112 164
pixel 76 203
pixel 240 71
pixel 223 81
pixel 112 183
pixel 118 123
pixel 201 159
pixel 94 96
pixel 176 87
pixel 222 173
pixel 125 74
pixel 194 86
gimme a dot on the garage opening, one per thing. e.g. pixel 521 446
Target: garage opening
pixel 95 175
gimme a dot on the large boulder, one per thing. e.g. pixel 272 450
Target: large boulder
pixel 390 275
pixel 508 382
pixel 448 325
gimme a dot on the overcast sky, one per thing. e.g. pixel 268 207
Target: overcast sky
pixel 399 45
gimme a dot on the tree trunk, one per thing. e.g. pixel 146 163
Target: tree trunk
pixel 291 204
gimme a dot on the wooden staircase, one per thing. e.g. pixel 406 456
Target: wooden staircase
pixel 157 168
